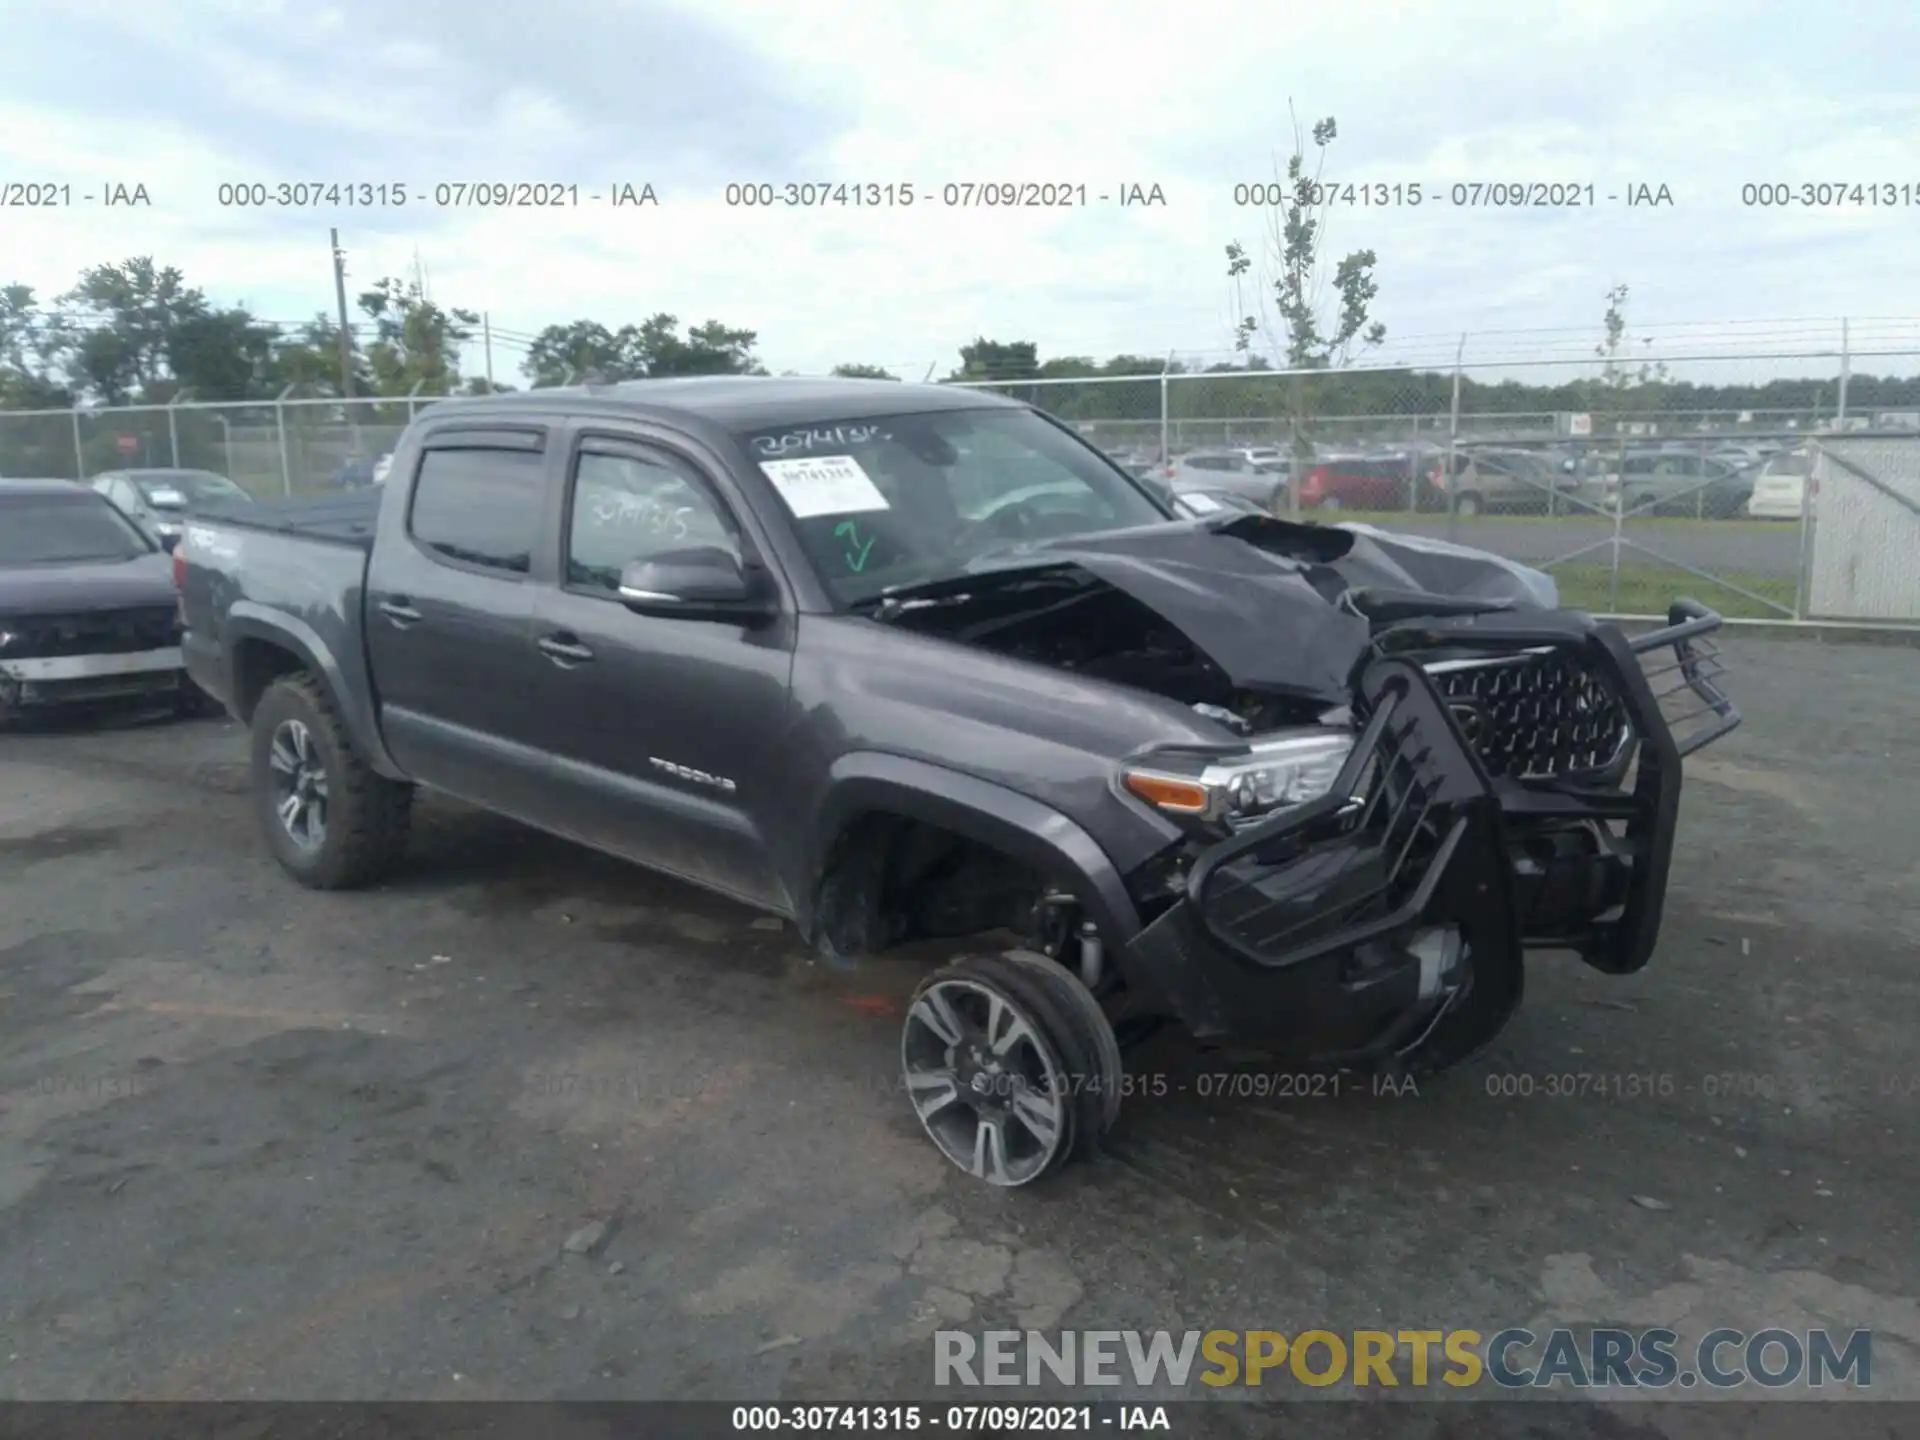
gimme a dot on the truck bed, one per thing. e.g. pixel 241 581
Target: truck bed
pixel 345 519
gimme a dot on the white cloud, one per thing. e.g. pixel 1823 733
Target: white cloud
pixel 1191 98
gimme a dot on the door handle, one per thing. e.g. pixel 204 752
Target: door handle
pixel 399 611
pixel 564 652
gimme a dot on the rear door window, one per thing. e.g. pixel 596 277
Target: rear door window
pixel 480 506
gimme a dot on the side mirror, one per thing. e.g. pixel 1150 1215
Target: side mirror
pixel 701 584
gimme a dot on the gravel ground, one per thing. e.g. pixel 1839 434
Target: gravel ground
pixel 257 1142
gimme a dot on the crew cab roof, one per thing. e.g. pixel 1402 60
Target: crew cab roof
pixel 734 402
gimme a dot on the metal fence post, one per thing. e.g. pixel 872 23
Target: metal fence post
pixel 79 454
pixel 173 426
pixel 1846 371
pixel 1453 441
pixel 1806 532
pixel 280 424
pixel 413 401
pixel 1166 414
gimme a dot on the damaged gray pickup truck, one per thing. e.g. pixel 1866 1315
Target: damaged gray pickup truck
pixel 898 662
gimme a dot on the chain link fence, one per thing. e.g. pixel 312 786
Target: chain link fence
pixel 1624 491
pixel 1621 489
pixel 272 449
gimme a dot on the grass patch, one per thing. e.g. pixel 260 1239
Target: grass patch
pixel 1650 589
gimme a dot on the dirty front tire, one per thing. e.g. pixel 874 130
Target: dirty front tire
pixel 1006 1072
pixel 364 818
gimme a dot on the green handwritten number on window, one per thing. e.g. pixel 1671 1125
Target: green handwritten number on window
pixel 857 549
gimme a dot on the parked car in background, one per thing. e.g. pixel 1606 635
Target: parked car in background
pixel 1354 482
pixel 1780 490
pixel 1675 482
pixel 88 613
pixel 1511 481
pixel 159 500
pixel 1263 482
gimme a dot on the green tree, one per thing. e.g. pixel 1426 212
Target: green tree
pixel 308 358
pixel 863 372
pixel 223 355
pixel 416 341
pixel 1280 289
pixel 26 380
pixel 986 359
pixel 653 348
pixel 115 327
pixel 1625 388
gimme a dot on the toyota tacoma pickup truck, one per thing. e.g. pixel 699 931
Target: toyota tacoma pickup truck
pixel 898 662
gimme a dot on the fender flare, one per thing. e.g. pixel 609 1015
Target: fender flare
pixel 247 621
pixel 1032 832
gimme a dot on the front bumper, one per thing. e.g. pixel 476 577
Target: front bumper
pixel 1471 822
pixel 62 680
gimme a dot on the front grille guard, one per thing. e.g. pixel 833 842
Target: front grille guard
pixel 1362 861
pixel 1367 859
pixel 1692 675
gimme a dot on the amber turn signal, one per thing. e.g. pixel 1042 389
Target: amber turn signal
pixel 1183 797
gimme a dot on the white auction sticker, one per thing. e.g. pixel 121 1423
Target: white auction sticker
pixel 824 485
pixel 1204 504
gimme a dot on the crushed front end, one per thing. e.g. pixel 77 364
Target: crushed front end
pixel 1512 782
pixel 53 661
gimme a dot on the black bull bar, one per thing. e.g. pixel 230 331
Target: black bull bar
pixel 1287 930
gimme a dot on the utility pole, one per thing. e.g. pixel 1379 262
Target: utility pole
pixel 486 333
pixel 340 298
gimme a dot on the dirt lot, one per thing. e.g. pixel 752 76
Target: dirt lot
pixel 259 1142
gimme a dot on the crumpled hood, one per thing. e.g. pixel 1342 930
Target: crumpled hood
pixel 78 589
pixel 1267 600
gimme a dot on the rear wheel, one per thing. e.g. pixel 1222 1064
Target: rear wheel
pixel 331 820
pixel 1010 1072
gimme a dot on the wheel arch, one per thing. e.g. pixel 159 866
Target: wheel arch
pixel 262 645
pixel 865 785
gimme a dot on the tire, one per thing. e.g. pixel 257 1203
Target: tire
pixel 1332 502
pixel 1467 505
pixel 363 818
pixel 1278 501
pixel 1045 1091
pixel 1066 987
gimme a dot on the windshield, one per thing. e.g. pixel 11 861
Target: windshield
pixel 907 499
pixel 1793 462
pixel 177 489
pixel 65 530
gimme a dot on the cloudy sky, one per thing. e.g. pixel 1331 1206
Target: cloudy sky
pixel 1702 97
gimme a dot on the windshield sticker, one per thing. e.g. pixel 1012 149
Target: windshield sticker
pixel 160 495
pixel 800 442
pixel 1200 504
pixel 857 549
pixel 824 485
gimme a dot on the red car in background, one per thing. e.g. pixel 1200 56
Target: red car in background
pixel 1356 482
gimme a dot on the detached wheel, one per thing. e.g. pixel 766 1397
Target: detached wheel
pixel 1332 502
pixel 1467 505
pixel 1010 1074
pixel 330 819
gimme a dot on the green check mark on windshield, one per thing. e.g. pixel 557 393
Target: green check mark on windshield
pixel 857 550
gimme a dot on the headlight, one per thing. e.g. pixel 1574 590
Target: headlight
pixel 1281 770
